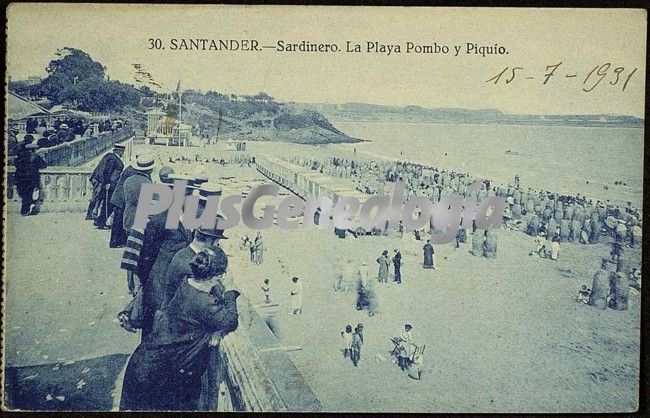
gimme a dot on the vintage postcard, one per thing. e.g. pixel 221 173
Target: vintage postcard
pixel 322 209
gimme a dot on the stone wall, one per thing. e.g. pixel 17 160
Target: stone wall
pixel 82 150
pixel 251 372
pixel 62 189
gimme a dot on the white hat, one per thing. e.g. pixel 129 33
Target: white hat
pixel 209 189
pixel 180 176
pixel 144 163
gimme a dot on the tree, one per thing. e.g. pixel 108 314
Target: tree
pixel 146 91
pixel 71 67
pixel 24 88
pixel 99 95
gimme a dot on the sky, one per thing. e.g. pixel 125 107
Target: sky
pixel 582 39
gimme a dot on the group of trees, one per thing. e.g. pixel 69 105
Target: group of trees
pixel 76 79
pixel 231 106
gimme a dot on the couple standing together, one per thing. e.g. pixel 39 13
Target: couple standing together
pixel 384 264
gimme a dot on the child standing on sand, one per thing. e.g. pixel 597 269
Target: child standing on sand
pixel 347 341
pixel 266 288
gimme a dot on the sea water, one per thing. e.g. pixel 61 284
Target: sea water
pixel 560 159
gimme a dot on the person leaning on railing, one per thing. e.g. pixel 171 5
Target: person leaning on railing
pixel 165 370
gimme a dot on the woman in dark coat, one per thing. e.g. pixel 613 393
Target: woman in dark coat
pixel 164 372
pixel 428 255
pixel 27 176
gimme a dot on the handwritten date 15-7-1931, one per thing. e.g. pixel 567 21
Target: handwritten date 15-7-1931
pixel 606 73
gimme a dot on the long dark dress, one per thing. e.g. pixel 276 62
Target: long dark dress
pixel 428 255
pixel 164 372
pixel 397 263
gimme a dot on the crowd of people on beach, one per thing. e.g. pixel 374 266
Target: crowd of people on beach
pixel 563 218
pixel 242 159
pixel 551 218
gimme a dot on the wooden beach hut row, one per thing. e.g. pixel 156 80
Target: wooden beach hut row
pixel 305 182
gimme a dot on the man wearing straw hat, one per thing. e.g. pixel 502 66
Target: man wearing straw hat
pixel 104 179
pixel 133 242
pixel 118 233
pixel 143 168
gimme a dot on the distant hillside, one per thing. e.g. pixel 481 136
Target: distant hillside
pixel 76 81
pixel 257 118
pixel 360 112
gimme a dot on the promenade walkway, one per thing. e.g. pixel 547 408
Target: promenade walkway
pixel 63 288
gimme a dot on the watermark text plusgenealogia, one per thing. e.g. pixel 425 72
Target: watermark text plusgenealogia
pixel 348 212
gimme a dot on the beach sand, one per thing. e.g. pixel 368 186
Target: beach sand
pixel 501 335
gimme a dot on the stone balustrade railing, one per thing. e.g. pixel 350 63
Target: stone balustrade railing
pixel 82 150
pixel 62 188
pixel 66 188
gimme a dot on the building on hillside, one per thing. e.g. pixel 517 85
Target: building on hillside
pixel 166 129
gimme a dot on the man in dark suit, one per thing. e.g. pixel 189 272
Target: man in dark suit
pixel 131 188
pixel 171 241
pixel 118 233
pixel 158 247
pixel 104 179
pixel 397 263
pixel 27 177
